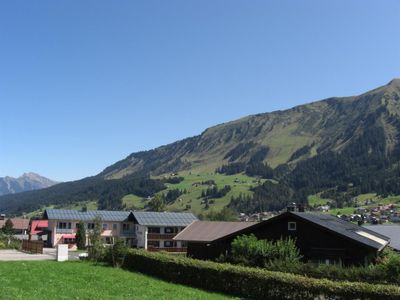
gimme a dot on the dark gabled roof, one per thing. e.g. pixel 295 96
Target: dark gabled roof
pixel 76 215
pixel 345 228
pixel 392 231
pixel 208 231
pixel 149 218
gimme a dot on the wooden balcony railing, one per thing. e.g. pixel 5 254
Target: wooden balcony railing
pixel 169 249
pixel 160 236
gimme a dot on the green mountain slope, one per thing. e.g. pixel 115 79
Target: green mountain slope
pixel 342 147
pixel 314 128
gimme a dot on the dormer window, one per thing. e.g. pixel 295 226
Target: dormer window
pixel 292 226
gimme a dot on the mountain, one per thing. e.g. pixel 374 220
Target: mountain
pixel 340 146
pixel 277 138
pixel 26 182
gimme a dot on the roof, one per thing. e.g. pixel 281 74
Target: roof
pixel 392 231
pixel 163 218
pixel 208 231
pixel 76 215
pixel 18 223
pixel 334 224
pixel 146 218
pixel 38 225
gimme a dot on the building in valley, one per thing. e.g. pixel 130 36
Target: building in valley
pixel 320 238
pixel 149 230
pixel 20 226
pixel 155 230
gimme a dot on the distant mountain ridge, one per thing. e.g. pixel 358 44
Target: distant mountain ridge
pixel 26 182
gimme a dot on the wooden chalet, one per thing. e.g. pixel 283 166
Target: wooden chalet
pixel 320 238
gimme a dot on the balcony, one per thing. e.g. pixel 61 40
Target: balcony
pixel 160 236
pixel 59 230
pixel 167 249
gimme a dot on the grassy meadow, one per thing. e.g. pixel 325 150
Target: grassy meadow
pixel 192 183
pixel 82 280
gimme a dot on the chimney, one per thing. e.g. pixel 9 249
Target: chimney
pixel 300 208
pixel 291 207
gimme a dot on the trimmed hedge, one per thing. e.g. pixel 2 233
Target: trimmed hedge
pixel 250 282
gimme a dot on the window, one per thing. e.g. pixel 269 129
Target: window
pixel 292 226
pixel 168 244
pixel 68 241
pixel 90 226
pixel 171 230
pixel 115 226
pixel 154 230
pixel 108 241
pixel 153 244
pixel 105 226
pixel 63 225
pixel 125 227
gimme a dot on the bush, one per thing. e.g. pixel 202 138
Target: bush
pixel 371 274
pixel 118 253
pixel 250 282
pixel 392 267
pixel 247 249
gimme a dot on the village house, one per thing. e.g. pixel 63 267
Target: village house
pixel 320 238
pixel 38 229
pixel 20 226
pixel 149 230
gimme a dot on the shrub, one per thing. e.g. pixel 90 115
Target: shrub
pixel 118 253
pixel 247 249
pixel 392 266
pixel 248 282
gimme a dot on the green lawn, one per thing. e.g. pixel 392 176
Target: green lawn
pixel 81 280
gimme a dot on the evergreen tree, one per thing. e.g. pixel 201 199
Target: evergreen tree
pixel 81 236
pixel 157 203
pixel 8 227
pixel 96 248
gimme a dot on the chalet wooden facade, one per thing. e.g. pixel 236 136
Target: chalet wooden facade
pixel 320 238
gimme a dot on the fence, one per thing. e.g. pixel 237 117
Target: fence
pixel 32 246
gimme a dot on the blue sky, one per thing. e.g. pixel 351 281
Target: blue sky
pixel 85 83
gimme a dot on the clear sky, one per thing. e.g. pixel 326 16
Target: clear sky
pixel 85 83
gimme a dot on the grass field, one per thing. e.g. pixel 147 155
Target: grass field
pixel 81 280
pixel 192 184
